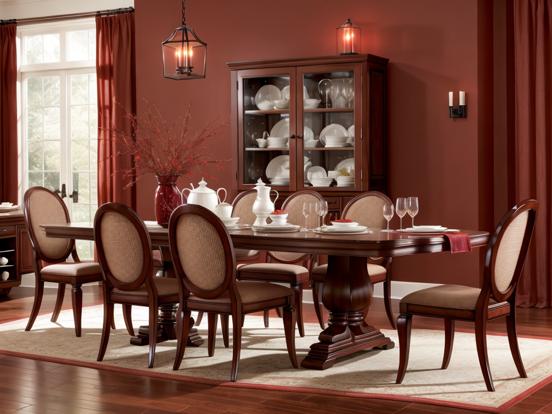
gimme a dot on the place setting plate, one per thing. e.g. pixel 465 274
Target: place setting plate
pixel 277 228
pixel 354 228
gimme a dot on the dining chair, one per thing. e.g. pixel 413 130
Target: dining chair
pixel 242 207
pixel 496 298
pixel 288 267
pixel 125 255
pixel 365 209
pixel 205 266
pixel 50 255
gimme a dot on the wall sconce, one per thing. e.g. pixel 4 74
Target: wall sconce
pixel 348 38
pixel 460 110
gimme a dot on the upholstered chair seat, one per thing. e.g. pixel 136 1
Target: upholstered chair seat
pixel 167 291
pixel 276 272
pixel 244 254
pixel 376 272
pixel 43 206
pixel 496 298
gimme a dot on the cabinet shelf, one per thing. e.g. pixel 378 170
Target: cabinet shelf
pixel 266 112
pixel 6 266
pixel 7 251
pixel 328 110
pixel 267 149
pixel 329 149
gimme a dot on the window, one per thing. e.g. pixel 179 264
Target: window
pixel 59 115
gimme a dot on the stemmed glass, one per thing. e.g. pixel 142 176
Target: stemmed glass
pixel 307 209
pixel 388 212
pixel 400 208
pixel 412 207
pixel 321 208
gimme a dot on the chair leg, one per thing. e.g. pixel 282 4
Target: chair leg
pixel 266 318
pixel 108 316
pixel 387 301
pixel 113 319
pixel 290 315
pixel 224 327
pixel 279 312
pixel 298 305
pixel 198 318
pixel 449 341
pixel 127 315
pixel 212 333
pixel 153 316
pixel 513 341
pixel 317 300
pixel 236 344
pixel 481 342
pixel 404 325
pixel 59 302
pixel 77 308
pixel 39 291
pixel 183 319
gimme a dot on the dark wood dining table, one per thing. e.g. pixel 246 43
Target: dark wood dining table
pixel 347 290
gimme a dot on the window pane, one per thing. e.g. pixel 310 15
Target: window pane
pixel 52 90
pixel 33 47
pixel 34 124
pixel 52 155
pixel 35 178
pixel 81 213
pixel 78 45
pixel 80 155
pixel 51 48
pixel 35 156
pixel 51 180
pixel 52 123
pixel 34 91
pixel 79 89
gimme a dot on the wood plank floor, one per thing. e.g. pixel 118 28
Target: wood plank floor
pixel 28 386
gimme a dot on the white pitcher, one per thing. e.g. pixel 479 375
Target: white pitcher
pixel 263 205
pixel 204 196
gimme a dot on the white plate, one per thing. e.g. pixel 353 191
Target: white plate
pixel 279 228
pixel 332 129
pixel 285 93
pixel 335 230
pixel 348 164
pixel 275 165
pixel 425 229
pixel 280 128
pixel 308 135
pixel 351 131
pixel 316 172
pixel 8 209
pixel 344 225
pixel 267 93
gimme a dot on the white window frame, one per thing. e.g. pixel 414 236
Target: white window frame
pixel 63 68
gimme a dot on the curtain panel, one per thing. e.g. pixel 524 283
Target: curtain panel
pixel 533 139
pixel 116 77
pixel 8 113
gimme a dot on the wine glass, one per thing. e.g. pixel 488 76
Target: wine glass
pixel 388 212
pixel 400 208
pixel 307 209
pixel 412 208
pixel 321 208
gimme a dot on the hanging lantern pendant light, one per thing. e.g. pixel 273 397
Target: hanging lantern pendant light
pixel 184 53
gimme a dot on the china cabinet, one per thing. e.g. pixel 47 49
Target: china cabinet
pixel 316 123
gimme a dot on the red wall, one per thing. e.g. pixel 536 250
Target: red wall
pixel 433 47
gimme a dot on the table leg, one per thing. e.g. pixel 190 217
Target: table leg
pixel 347 295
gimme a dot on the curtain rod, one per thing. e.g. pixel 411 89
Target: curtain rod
pixel 60 17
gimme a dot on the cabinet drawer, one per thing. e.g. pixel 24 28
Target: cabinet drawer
pixel 7 231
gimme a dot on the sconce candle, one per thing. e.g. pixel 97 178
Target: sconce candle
pixel 462 98
pixel 460 110
pixel 348 38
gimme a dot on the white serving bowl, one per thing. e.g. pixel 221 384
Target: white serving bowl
pixel 281 104
pixel 333 141
pixel 261 142
pixel 277 142
pixel 279 181
pixel 279 218
pixel 342 225
pixel 265 105
pixel 313 143
pixel 333 174
pixel 321 182
pixel 311 103
pixel 230 221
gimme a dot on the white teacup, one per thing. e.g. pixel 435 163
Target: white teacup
pixel 5 276
pixel 3 261
pixel 223 210
pixel 261 142
pixel 279 218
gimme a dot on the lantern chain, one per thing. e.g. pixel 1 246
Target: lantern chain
pixel 183 12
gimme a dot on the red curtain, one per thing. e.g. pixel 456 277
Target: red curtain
pixel 8 113
pixel 116 76
pixel 533 139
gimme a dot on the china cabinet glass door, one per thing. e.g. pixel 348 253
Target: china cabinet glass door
pixel 329 114
pixel 266 118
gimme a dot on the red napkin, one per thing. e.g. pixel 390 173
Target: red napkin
pixel 459 242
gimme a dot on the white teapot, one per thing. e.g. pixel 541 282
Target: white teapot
pixel 263 205
pixel 204 196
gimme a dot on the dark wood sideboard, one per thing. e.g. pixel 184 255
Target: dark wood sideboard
pixel 15 246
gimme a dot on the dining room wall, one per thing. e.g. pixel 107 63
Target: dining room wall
pixel 433 46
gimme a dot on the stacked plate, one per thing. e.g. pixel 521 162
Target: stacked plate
pixel 345 181
pixel 7 206
pixel 276 228
pixel 230 222
pixel 342 227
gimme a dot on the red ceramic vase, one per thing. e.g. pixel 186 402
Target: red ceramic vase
pixel 167 198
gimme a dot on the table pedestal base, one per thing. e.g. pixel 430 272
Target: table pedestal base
pixel 166 329
pixel 347 295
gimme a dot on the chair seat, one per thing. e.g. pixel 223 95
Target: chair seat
pixel 245 254
pixel 274 272
pixel 167 290
pixel 376 272
pixel 255 296
pixel 81 272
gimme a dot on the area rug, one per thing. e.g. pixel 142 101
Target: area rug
pixel 264 361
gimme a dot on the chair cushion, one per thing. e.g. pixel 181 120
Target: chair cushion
pixel 274 272
pixel 444 296
pixel 376 272
pixel 166 286
pixel 245 254
pixel 73 269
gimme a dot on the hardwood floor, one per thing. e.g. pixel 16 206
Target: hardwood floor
pixel 28 386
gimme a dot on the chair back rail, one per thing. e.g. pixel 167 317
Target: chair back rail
pixel 124 248
pixel 367 209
